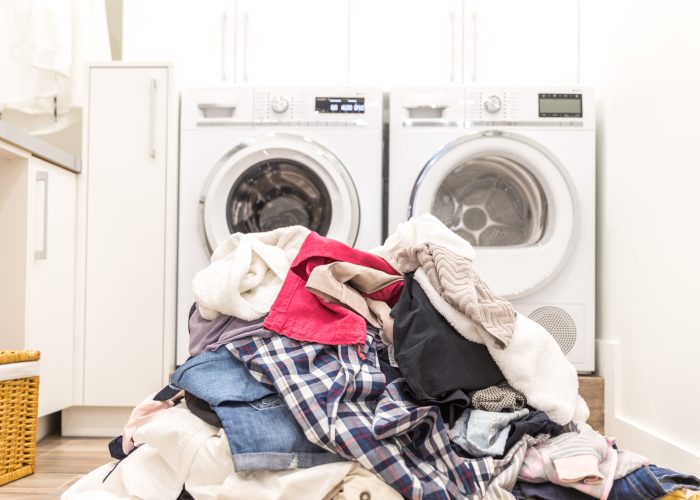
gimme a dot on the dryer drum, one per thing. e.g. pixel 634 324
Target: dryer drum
pixel 492 201
pixel 277 193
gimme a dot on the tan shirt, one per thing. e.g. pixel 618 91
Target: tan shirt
pixel 344 283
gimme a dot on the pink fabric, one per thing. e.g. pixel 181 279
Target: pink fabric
pixel 301 315
pixel 144 412
pixel 539 465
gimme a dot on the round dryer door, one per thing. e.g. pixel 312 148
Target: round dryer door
pixel 279 180
pixel 511 199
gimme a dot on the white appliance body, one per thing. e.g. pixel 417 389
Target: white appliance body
pixel 512 170
pixel 252 159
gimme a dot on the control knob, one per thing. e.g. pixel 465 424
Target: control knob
pixel 492 104
pixel 279 104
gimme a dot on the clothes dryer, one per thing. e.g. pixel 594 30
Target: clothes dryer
pixel 511 170
pixel 255 159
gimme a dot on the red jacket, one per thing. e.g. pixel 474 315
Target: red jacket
pixel 301 315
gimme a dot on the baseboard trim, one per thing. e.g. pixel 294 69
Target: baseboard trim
pixel 47 425
pixel 94 421
pixel 629 433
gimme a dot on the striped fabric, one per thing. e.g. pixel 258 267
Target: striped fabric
pixel 501 397
pixel 343 405
pixel 455 279
pixel 506 469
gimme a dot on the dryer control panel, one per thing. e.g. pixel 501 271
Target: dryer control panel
pixel 529 106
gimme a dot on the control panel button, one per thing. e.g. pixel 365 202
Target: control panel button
pixel 492 104
pixel 279 104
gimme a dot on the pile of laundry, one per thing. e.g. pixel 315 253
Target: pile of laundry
pixel 319 371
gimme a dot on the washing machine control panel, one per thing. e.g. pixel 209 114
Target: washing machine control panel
pixel 332 107
pixel 279 104
pixel 492 104
pixel 290 107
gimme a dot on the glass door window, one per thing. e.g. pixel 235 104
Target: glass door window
pixel 492 201
pixel 277 193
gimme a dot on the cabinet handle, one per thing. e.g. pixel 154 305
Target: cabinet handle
pixel 452 47
pixel 224 24
pixel 245 46
pixel 43 253
pixel 475 48
pixel 152 132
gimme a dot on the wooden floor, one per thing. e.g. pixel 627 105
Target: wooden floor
pixel 59 463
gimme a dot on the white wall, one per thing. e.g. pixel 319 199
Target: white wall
pixel 642 56
pixel 114 10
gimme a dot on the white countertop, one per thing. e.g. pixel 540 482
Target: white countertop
pixel 38 147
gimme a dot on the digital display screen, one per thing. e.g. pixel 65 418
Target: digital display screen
pixel 340 104
pixel 561 105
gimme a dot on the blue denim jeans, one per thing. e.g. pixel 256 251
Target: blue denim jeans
pixel 651 482
pixel 261 430
pixel 646 483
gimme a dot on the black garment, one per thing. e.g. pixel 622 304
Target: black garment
pixel 202 409
pixel 166 393
pixel 391 373
pixel 534 423
pixel 193 307
pixel 184 495
pixel 115 448
pixel 433 358
pixel 452 405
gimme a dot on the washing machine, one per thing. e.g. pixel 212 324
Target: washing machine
pixel 255 159
pixel 512 171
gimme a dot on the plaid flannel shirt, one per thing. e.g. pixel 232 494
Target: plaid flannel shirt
pixel 344 405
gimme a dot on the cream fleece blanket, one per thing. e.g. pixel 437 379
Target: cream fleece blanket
pixel 425 228
pixel 532 363
pixel 246 273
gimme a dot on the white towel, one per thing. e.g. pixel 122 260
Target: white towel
pixel 246 273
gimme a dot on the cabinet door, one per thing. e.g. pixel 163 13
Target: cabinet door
pixel 198 37
pixel 511 42
pixel 125 234
pixel 405 42
pixel 51 280
pixel 292 43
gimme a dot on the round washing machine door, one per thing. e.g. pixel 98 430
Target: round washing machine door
pixel 279 180
pixel 509 197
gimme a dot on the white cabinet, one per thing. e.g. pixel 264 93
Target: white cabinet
pixel 130 209
pixel 304 42
pixel 198 37
pixel 405 42
pixel 51 308
pixel 511 42
pixel 362 42
pixel 37 263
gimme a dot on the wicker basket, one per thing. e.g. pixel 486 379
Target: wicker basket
pixel 18 419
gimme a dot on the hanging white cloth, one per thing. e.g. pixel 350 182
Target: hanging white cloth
pixel 44 45
pixel 33 48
